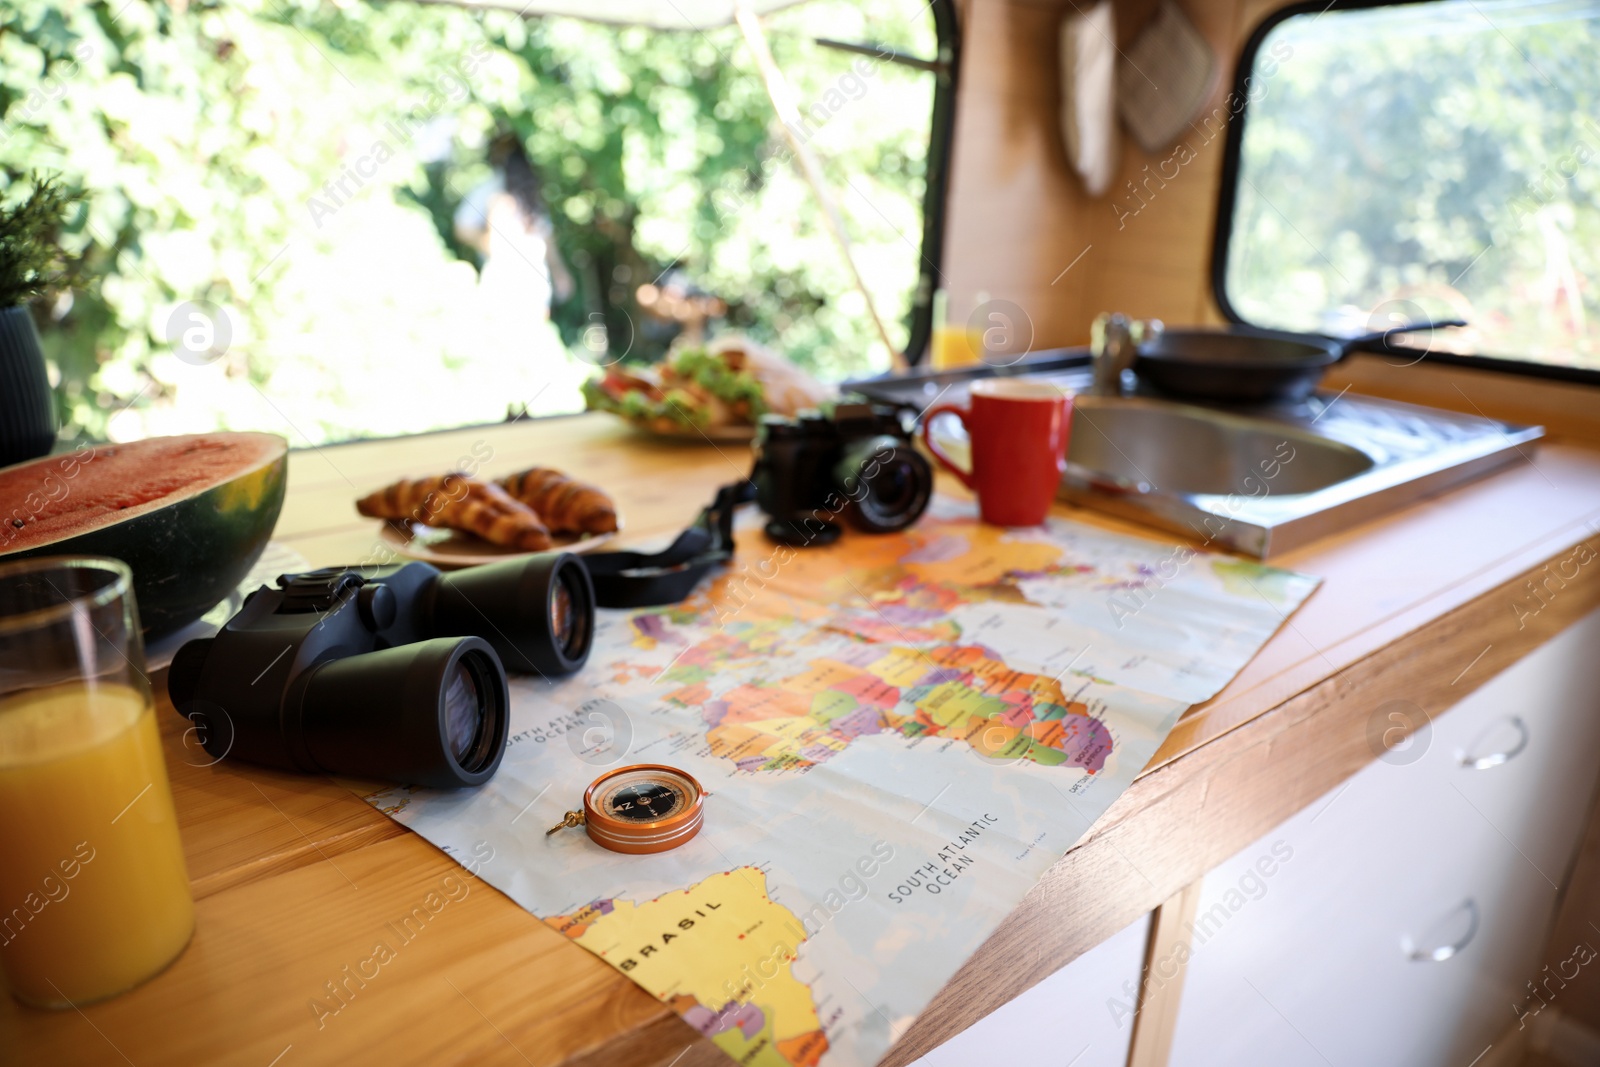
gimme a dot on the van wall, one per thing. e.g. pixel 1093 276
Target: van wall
pixel 1018 215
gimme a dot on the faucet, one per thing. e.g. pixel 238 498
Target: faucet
pixel 1114 340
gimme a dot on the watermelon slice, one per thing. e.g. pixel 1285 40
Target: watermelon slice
pixel 190 514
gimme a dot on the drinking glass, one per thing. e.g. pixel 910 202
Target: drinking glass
pixel 94 898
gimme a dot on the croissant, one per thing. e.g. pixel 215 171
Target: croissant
pixel 566 506
pixel 459 502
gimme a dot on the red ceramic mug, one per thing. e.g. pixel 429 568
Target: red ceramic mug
pixel 1019 447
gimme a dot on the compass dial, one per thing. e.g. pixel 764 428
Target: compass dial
pixel 644 808
pixel 645 796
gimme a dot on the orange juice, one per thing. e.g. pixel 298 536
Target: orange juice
pixel 93 893
pixel 954 346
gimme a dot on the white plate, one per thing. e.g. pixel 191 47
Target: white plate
pixel 453 548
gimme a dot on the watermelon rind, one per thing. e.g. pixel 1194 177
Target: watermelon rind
pixel 188 553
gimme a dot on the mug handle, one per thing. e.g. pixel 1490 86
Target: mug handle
pixel 927 440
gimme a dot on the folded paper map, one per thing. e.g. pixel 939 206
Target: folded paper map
pixel 899 735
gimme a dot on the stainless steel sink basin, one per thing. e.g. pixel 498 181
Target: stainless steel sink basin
pixel 1264 479
pixel 1269 479
pixel 1147 445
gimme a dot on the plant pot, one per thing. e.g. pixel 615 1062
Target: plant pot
pixel 27 410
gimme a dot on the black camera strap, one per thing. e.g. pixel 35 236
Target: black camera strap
pixel 647 579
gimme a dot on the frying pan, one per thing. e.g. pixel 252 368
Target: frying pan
pixel 1245 364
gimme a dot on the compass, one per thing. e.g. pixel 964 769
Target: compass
pixel 639 809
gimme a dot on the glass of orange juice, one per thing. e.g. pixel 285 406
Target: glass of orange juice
pixel 94 898
pixel 952 343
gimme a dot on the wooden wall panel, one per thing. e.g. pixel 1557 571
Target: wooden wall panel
pixel 1018 215
pixel 1016 211
pixel 1154 226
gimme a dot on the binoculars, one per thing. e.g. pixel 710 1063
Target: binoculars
pixel 395 672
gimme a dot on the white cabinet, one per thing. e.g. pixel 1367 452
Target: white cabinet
pixel 1405 912
pixel 1080 1016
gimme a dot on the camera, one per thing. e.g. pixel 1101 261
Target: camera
pixel 396 672
pixel 860 463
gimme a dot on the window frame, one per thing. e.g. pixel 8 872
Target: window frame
pixel 1228 196
pixel 945 68
pixel 936 191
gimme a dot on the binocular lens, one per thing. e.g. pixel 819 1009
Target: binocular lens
pixel 570 614
pixel 542 610
pixel 464 712
pixel 431 713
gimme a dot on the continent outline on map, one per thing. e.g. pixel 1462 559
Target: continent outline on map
pixel 722 987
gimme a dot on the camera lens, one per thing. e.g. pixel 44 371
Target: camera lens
pixel 888 483
pixel 894 486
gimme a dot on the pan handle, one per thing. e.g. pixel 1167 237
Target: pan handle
pixel 1349 344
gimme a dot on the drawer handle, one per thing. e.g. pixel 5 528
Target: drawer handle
pixel 1495 759
pixel 1444 952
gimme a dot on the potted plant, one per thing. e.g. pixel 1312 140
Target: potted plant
pixel 31 263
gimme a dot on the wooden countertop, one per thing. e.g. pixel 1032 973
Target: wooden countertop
pixel 295 877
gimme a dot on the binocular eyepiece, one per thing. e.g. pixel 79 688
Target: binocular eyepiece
pixel 395 672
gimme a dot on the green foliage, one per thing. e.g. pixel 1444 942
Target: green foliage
pixel 1442 158
pixel 296 167
pixel 31 260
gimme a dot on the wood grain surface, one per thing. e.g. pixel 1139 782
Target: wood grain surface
pixel 1160 994
pixel 297 876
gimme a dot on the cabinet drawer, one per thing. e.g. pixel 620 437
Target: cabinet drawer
pixel 1524 749
pixel 1405 910
pixel 1081 1015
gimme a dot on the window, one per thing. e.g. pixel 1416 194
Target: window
pixel 1432 160
pixel 337 221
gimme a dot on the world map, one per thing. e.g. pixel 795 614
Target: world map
pixel 721 954
pixel 961 691
pixel 898 735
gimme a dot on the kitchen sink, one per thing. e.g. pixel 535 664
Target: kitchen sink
pixel 1153 445
pixel 1261 479
pixel 1275 477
